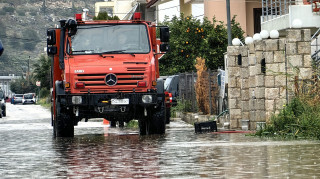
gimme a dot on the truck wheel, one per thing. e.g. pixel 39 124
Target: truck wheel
pixel 63 123
pixel 63 126
pixel 142 127
pixel 157 123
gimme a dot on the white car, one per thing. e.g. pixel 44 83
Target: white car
pixel 29 98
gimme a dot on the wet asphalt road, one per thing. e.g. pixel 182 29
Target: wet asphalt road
pixel 28 150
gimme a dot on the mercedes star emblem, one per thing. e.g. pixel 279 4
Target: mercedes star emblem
pixel 111 79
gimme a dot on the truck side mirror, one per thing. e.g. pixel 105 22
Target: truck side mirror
pixel 164 34
pixel 51 37
pixel 72 26
pixel 51 41
pixel 1 48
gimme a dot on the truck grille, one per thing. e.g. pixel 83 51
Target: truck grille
pixel 98 80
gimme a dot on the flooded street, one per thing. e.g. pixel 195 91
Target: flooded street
pixel 28 150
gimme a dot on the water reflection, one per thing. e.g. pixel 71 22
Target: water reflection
pixel 109 156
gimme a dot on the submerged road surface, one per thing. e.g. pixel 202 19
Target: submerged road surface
pixel 28 150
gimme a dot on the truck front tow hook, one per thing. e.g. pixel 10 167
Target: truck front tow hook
pixel 100 109
pixel 123 109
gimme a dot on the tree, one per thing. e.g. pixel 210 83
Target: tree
pixel 190 38
pixel 21 86
pixel 42 71
pixel 105 16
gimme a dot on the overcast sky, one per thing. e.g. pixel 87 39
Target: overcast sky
pixel 173 8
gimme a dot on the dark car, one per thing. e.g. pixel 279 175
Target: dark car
pixel 172 86
pixel 3 103
pixel 29 98
pixel 17 98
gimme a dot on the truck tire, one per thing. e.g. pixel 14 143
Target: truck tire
pixel 142 127
pixel 64 126
pixel 155 123
pixel 63 123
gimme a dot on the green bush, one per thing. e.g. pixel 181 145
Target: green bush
pixel 299 119
pixel 44 92
pixel 21 12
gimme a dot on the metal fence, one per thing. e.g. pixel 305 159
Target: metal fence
pixel 187 92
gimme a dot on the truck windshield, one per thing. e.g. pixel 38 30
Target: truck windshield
pixel 98 39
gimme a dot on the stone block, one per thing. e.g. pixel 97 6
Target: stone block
pixel 272 69
pixel 279 56
pixel 234 123
pixel 280 80
pixel 272 44
pixel 251 48
pixel 235 113
pixel 269 57
pixel 234 103
pixel 282 68
pixel 272 93
pixel 252 116
pixel 245 106
pixel 260 45
pixel 233 71
pixel 245 94
pixel 260 104
pixel 259 57
pixel 283 92
pixel 245 62
pixel 306 35
pixel 260 80
pixel 253 125
pixel 294 35
pixel 246 115
pixel 304 47
pixel 282 44
pixel 232 62
pixel 244 73
pixel 295 60
pixel 232 82
pixel 252 81
pixel 305 73
pixel 291 48
pixel 270 106
pixel 244 51
pixel 234 92
pixel 261 116
pixel 252 60
pixel 269 81
pixel 307 61
pixel 245 84
pixel 233 50
pixel 280 103
pixel 252 70
pixel 258 69
pixel 259 92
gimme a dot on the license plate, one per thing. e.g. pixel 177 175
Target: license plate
pixel 119 101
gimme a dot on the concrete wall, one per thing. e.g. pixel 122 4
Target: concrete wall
pixel 254 94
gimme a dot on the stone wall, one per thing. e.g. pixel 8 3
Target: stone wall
pixel 261 76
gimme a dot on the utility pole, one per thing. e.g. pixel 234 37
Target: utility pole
pixel 228 22
pixel 28 70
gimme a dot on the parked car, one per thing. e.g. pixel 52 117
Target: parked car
pixel 172 86
pixel 3 104
pixel 29 98
pixel 17 98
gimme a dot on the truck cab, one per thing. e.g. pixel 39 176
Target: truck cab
pixel 107 69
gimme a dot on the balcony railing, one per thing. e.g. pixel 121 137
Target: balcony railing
pixel 272 9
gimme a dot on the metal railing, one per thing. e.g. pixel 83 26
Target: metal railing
pixel 315 54
pixel 272 9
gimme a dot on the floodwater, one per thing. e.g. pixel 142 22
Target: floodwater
pixel 28 150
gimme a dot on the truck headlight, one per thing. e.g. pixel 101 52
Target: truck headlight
pixel 76 99
pixel 146 98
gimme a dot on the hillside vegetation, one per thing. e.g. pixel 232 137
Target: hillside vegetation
pixel 23 25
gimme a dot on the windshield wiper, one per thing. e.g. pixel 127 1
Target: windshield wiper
pixel 116 51
pixel 86 51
